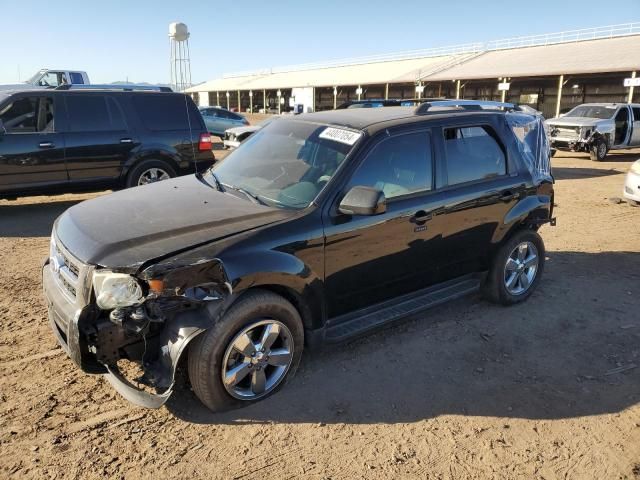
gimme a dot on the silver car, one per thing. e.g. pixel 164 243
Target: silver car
pixel 218 120
pixel 596 128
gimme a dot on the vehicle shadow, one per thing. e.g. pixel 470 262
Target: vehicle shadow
pixel 32 219
pixel 569 173
pixel 564 353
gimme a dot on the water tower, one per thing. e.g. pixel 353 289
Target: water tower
pixel 179 56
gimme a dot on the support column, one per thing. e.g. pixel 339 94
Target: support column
pixel 457 89
pixel 630 100
pixel 335 97
pixel 251 101
pixel 313 96
pixel 504 92
pixel 386 91
pixel 359 92
pixel 217 99
pixel 228 104
pixel 560 84
pixel 239 105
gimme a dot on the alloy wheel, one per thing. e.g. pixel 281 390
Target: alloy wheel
pixel 521 268
pixel 257 359
pixel 153 175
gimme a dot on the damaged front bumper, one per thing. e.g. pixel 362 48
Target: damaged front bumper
pixel 85 336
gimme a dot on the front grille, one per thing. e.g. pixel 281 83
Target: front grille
pixel 69 272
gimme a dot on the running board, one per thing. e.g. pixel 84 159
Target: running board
pixel 349 325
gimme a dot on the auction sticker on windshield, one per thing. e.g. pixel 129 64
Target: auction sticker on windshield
pixel 339 135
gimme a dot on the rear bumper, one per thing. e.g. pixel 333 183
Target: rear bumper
pixel 631 190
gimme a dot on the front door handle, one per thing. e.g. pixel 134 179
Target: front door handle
pixel 126 140
pixel 46 145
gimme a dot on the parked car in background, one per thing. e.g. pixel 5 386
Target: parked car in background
pixel 233 137
pixel 47 78
pixel 322 227
pixel 219 119
pixel 596 128
pixel 85 139
pixel 632 184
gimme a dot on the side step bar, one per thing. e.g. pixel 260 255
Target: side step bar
pixel 369 318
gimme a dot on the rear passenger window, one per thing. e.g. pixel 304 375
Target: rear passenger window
pixel 88 113
pixel 162 112
pixel 398 166
pixel 117 117
pixel 472 153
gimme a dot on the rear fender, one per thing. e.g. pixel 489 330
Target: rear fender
pixel 533 210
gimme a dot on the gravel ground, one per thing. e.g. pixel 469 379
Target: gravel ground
pixel 548 389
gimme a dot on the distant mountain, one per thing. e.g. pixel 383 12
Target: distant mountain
pixel 121 82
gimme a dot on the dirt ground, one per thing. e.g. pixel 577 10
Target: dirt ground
pixel 548 389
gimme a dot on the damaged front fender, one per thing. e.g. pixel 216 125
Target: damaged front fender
pixel 171 344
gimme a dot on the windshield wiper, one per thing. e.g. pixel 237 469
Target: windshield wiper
pixel 251 196
pixel 219 186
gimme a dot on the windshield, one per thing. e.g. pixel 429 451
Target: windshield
pixel 34 79
pixel 592 111
pixel 287 163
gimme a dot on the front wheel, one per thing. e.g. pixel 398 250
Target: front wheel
pixel 249 354
pixel 516 269
pixel 598 151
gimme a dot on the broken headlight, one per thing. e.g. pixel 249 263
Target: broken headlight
pixel 116 290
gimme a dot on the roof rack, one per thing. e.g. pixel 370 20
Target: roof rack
pixel 129 87
pixel 466 105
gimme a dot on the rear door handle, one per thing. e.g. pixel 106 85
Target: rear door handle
pixel 508 196
pixel 421 216
pixel 126 140
pixel 46 145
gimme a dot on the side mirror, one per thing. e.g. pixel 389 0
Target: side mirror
pixel 363 201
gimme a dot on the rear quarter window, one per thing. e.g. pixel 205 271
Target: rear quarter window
pixel 160 112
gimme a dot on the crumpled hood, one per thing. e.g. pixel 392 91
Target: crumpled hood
pixel 240 130
pixel 575 121
pixel 128 228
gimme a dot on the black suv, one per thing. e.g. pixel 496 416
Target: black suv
pixel 316 229
pixel 68 139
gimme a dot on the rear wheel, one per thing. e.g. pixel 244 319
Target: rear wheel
pixel 598 151
pixel 516 269
pixel 249 354
pixel 149 171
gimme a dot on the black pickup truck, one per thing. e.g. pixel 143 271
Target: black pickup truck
pixel 316 229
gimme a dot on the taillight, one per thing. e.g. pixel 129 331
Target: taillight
pixel 205 143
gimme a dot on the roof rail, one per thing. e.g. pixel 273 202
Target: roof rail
pixel 468 105
pixel 128 87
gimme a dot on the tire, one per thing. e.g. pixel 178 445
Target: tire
pixel 598 151
pixel 212 351
pixel 496 287
pixel 135 176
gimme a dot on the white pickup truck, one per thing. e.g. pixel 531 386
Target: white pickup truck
pixel 596 128
pixel 48 78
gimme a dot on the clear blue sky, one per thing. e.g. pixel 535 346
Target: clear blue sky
pixel 116 39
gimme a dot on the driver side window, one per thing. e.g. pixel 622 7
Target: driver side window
pixel 400 165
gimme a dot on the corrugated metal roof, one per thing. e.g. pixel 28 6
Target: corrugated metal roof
pixel 591 56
